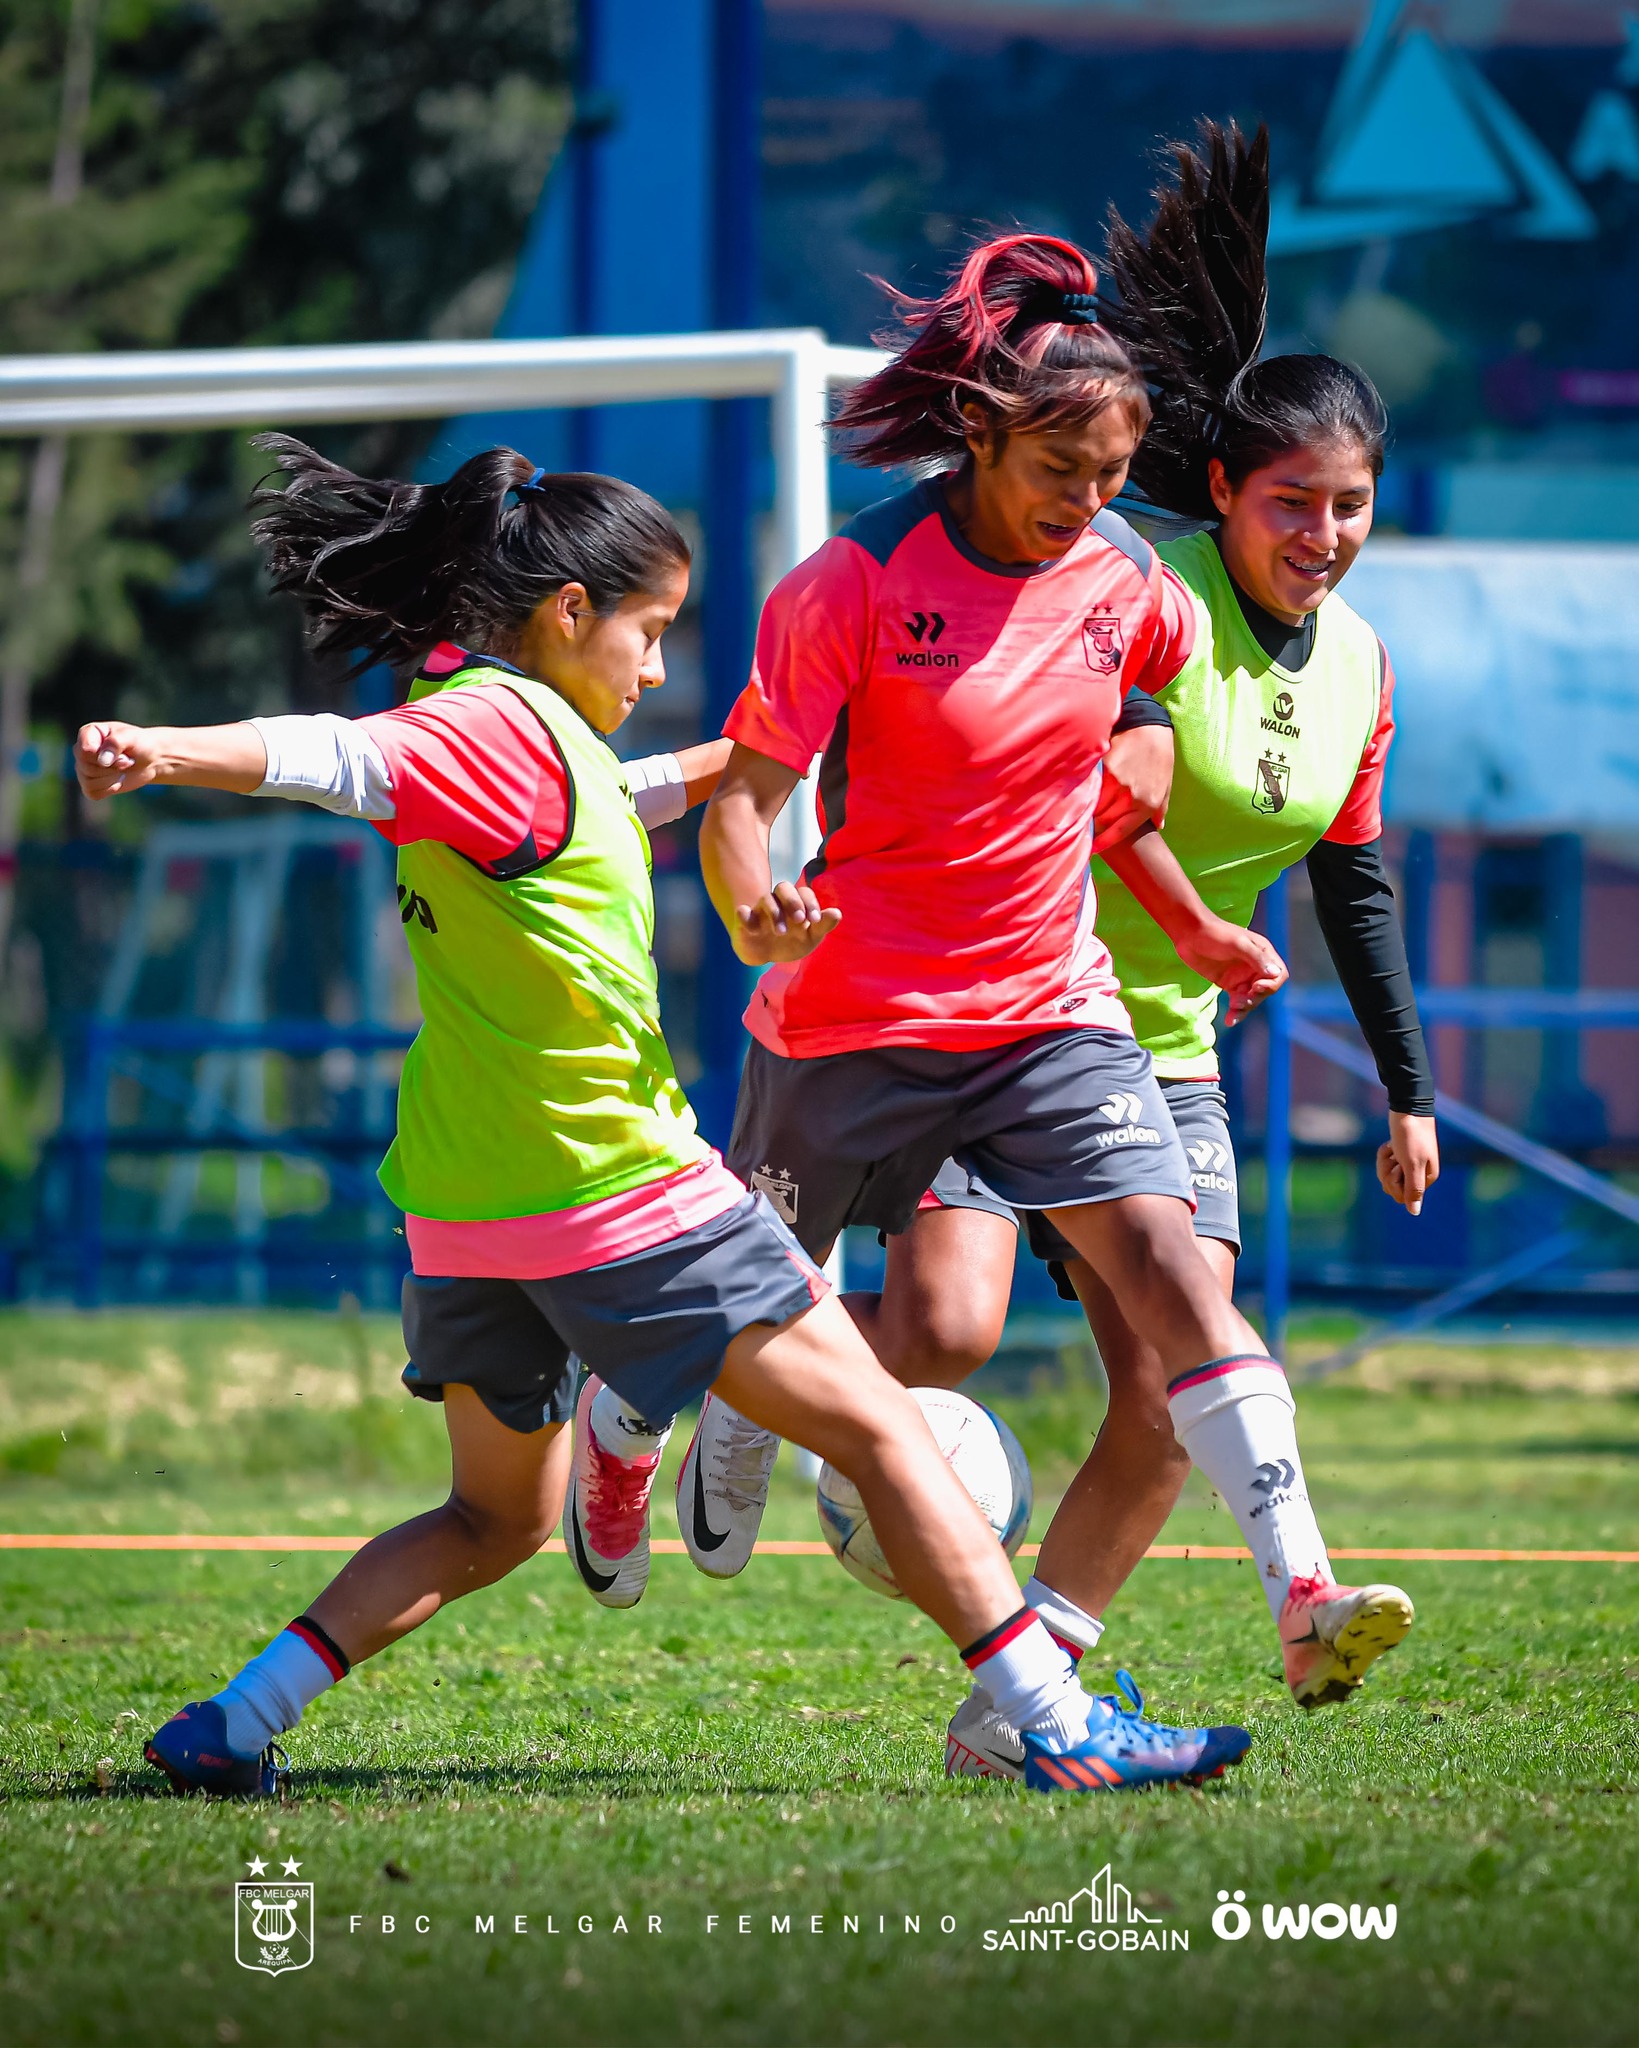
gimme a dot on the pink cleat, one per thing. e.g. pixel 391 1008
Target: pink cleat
pixel 606 1514
pixel 1331 1634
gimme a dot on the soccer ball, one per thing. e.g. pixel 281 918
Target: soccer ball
pixel 979 1448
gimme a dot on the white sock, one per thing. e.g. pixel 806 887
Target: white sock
pixel 1070 1626
pixel 619 1427
pixel 274 1689
pixel 1237 1419
pixel 1031 1682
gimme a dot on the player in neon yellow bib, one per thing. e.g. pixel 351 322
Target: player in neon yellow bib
pixel 558 1200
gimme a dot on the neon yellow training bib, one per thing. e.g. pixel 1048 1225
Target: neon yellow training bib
pixel 1265 759
pixel 540 1078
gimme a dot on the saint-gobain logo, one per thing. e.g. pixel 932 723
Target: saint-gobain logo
pixel 273 1923
pixel 1102 1915
pixel 1232 1921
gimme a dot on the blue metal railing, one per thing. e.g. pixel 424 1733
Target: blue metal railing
pixel 107 1047
pixel 1295 1017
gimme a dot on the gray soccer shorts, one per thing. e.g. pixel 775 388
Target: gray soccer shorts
pixel 1201 1117
pixel 1058 1119
pixel 655 1325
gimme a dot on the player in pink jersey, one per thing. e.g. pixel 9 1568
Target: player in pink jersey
pixel 1282 454
pixel 935 985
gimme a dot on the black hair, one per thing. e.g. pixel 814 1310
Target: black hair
pixel 1015 335
pixel 1193 305
pixel 389 569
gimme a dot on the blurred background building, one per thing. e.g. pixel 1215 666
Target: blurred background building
pixel 1457 211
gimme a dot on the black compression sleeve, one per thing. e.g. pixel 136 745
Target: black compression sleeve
pixel 1138 708
pixel 1354 907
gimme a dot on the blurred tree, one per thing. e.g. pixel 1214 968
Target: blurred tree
pixel 180 173
pixel 253 171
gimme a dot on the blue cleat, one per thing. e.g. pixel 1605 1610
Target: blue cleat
pixel 1123 1752
pixel 192 1750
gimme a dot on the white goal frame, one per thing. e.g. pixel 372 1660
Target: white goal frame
pixel 141 392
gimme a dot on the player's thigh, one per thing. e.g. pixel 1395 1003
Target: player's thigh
pixel 1145 1250
pixel 815 1381
pixel 945 1292
pixel 510 1482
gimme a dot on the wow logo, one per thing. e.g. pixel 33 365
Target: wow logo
pixel 1232 1921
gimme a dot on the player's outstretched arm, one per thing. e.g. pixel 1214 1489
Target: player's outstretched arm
pixel 112 758
pixel 1241 962
pixel 702 768
pixel 767 921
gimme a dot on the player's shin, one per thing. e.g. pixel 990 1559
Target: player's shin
pixel 1237 1419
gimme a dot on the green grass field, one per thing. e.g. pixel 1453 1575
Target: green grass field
pixel 771 1748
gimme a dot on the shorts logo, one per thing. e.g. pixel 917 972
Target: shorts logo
pixel 1101 641
pixel 1123 1109
pixel 1211 1162
pixel 1274 782
pixel 780 1189
pixel 273 1923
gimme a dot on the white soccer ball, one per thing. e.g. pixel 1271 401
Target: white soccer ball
pixel 979 1448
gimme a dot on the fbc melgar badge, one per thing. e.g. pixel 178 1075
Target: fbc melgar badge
pixel 272 1921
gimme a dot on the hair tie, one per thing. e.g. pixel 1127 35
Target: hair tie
pixel 1079 309
pixel 532 482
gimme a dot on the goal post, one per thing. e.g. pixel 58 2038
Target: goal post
pixel 190 389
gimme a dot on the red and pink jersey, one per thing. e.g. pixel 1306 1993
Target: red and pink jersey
pixel 964 708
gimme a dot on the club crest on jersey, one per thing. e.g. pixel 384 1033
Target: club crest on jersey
pixel 1273 784
pixel 1101 637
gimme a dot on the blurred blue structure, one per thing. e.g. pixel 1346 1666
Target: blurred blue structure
pixel 1458 209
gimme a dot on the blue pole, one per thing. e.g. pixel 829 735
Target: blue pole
pixel 731 486
pixel 1277 1143
pixel 89 1162
pixel 595 114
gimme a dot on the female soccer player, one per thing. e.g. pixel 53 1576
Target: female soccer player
pixel 1282 721
pixel 934 984
pixel 557 1196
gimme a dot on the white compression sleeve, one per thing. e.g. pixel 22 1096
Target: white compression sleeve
pixel 328 761
pixel 656 783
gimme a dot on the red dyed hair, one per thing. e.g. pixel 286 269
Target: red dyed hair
pixel 1012 335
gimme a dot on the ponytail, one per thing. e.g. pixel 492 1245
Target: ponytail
pixel 389 569
pixel 1015 336
pixel 1192 310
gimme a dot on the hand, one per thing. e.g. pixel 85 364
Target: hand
pixel 1242 963
pixel 785 924
pixel 111 758
pixel 1409 1164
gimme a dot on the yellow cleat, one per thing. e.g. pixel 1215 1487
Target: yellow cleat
pixel 1330 1635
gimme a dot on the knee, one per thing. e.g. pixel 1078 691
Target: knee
pixel 1138 1408
pixel 505 1539
pixel 943 1340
